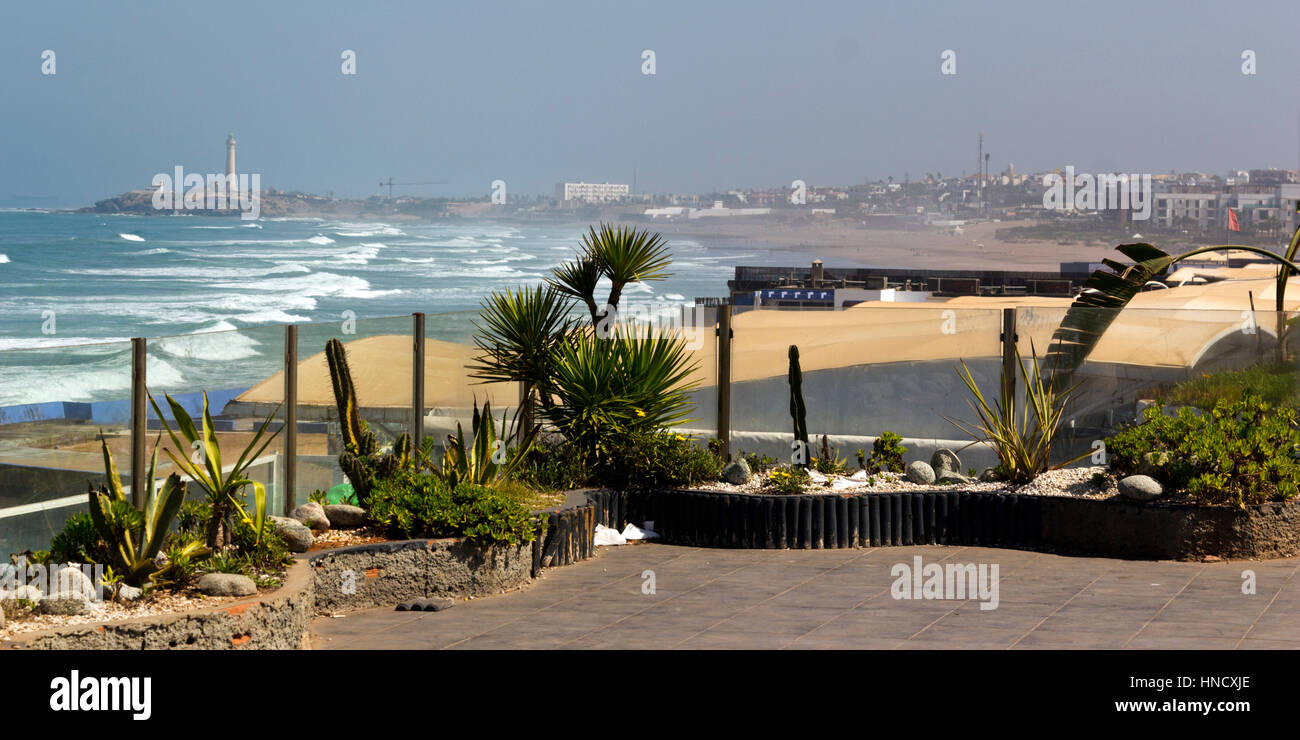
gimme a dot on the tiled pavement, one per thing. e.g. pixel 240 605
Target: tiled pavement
pixel 767 599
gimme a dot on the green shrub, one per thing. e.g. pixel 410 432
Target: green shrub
pixel 786 479
pixel 1239 453
pixel 827 462
pixel 756 461
pixel 887 454
pixel 555 466
pixel 78 542
pixel 660 459
pixel 421 505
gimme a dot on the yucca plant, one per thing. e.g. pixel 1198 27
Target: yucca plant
pixel 1020 434
pixel 135 537
pixel 520 334
pixel 622 254
pixel 223 489
pixel 635 381
pixel 484 459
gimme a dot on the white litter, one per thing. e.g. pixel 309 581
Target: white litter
pixel 633 532
pixel 607 536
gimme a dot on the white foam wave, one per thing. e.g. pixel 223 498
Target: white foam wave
pixel 218 342
pixel 131 237
pixel 318 239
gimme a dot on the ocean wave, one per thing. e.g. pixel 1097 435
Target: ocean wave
pixel 315 285
pixel 80 381
pixel 155 250
pixel 4 259
pixel 271 316
pixel 132 237
pixel 318 239
pixel 215 343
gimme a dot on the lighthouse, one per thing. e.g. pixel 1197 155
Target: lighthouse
pixel 231 182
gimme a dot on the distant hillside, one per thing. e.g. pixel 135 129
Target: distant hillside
pixel 279 204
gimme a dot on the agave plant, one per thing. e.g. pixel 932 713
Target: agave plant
pixel 485 459
pixel 223 489
pixel 135 537
pixel 1022 437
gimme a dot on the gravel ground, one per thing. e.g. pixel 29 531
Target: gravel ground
pixel 1065 482
pixel 156 604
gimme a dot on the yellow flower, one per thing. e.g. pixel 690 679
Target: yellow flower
pixel 639 412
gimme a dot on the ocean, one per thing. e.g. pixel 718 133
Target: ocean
pixel 213 291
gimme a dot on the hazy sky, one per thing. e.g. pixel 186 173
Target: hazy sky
pixel 746 94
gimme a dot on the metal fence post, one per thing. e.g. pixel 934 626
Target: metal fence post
pixel 724 380
pixel 139 422
pixel 417 379
pixel 1009 364
pixel 290 481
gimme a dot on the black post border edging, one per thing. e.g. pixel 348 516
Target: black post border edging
pixel 1061 524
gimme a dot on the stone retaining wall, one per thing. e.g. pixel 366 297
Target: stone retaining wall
pixel 275 621
pixel 341 580
pixel 389 573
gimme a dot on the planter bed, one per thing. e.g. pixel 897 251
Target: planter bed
pixel 945 515
pixel 318 583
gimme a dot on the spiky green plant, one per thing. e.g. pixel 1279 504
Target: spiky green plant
pixel 622 254
pixel 485 459
pixel 798 412
pixel 636 380
pixel 521 331
pixel 362 459
pixel 1110 289
pixel 135 537
pixel 224 490
pixel 1021 435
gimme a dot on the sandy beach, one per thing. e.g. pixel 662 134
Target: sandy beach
pixel 841 244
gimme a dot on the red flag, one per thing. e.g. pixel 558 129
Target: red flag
pixel 1232 221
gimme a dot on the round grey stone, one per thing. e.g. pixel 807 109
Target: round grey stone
pixel 736 473
pixel 62 606
pixel 920 472
pixel 989 475
pixel 68 581
pixel 312 514
pixel 227 584
pixel 945 462
pixel 1141 488
pixel 294 533
pixel 344 516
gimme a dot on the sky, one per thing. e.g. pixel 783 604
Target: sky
pixel 744 95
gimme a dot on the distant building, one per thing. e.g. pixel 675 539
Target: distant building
pixel 591 192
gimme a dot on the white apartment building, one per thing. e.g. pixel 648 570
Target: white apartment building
pixel 1203 208
pixel 591 192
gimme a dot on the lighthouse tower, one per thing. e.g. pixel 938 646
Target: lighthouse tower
pixel 232 183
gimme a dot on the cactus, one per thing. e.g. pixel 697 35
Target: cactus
pixel 361 461
pixel 797 410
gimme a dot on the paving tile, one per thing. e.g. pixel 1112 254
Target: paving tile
pixel 839 599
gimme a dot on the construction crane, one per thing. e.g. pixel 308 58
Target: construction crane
pixel 391 183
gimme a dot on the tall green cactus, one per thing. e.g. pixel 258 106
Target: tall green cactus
pixel 361 460
pixel 798 412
